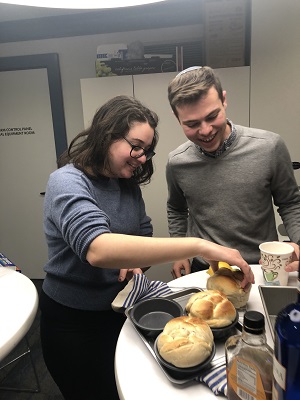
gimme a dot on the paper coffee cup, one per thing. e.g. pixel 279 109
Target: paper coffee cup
pixel 275 256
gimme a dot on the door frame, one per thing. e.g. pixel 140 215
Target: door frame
pixel 50 61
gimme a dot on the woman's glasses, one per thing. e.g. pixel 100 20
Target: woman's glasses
pixel 138 151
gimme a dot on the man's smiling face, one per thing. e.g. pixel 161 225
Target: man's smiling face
pixel 204 122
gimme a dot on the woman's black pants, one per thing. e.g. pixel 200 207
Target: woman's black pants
pixel 79 348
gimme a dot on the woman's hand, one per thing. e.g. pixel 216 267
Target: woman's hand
pixel 128 273
pixel 180 268
pixel 232 257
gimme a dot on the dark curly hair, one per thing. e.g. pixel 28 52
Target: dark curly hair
pixel 89 150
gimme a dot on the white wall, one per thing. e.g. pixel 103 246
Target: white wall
pixel 275 66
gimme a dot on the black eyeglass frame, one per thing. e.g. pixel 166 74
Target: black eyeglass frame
pixel 148 153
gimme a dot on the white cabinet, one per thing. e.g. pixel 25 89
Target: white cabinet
pixel 96 91
pixel 151 89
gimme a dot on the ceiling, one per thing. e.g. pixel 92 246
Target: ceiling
pixel 10 12
pixel 21 23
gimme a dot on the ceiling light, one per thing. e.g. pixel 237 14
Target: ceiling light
pixel 80 4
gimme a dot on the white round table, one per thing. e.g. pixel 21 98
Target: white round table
pixel 138 374
pixel 19 303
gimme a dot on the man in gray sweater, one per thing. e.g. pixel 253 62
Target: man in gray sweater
pixel 223 181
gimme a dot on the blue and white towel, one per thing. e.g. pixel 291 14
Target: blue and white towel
pixel 137 289
pixel 215 379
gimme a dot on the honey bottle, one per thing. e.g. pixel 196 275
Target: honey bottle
pixel 249 361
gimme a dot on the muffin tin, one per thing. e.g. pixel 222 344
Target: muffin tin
pixel 226 331
pixel 182 297
pixel 150 316
pixel 184 372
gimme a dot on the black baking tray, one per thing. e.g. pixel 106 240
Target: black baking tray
pixel 182 297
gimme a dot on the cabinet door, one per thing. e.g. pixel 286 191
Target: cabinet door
pixel 96 91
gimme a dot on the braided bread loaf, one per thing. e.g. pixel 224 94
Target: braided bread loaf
pixel 229 283
pixel 212 306
pixel 185 342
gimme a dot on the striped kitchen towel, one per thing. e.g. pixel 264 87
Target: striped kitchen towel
pixel 215 379
pixel 137 289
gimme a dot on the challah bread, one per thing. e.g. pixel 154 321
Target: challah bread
pixel 212 306
pixel 185 342
pixel 229 283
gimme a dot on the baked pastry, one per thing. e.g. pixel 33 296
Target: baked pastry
pixel 185 342
pixel 229 283
pixel 212 306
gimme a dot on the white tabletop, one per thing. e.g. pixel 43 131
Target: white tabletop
pixel 137 373
pixel 19 302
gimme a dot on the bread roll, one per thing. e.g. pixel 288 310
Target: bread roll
pixel 212 306
pixel 229 283
pixel 185 342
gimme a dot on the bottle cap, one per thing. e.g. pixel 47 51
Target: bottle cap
pixel 254 322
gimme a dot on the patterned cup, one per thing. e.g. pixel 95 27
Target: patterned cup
pixel 275 256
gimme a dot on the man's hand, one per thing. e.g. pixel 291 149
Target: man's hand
pixel 294 265
pixel 180 268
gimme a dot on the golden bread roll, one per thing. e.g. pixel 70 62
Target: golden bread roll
pixel 229 283
pixel 212 306
pixel 185 342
